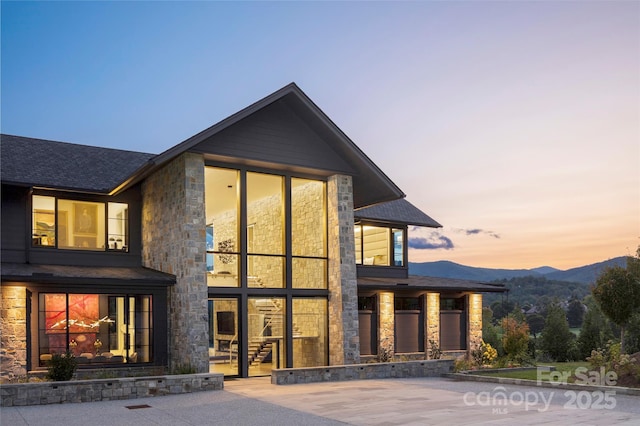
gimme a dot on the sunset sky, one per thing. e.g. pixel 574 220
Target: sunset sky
pixel 514 124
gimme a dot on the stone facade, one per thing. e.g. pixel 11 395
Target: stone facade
pixel 432 319
pixel 343 286
pixel 13 331
pixel 386 321
pixel 475 321
pixel 173 241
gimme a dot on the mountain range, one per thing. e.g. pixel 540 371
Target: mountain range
pixel 584 274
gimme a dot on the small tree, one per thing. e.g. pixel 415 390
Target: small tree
pixel 536 324
pixel 617 292
pixel 595 331
pixel 556 336
pixel 575 313
pixel 515 340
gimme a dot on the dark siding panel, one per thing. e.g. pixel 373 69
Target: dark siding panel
pixel 409 332
pixel 275 134
pixel 14 226
pixel 368 332
pixel 452 330
pixel 382 271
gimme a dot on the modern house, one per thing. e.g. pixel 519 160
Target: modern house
pixel 268 240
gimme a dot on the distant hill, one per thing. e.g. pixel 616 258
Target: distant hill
pixel 545 270
pixel 584 274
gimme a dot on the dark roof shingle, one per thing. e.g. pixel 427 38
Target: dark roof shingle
pixel 398 211
pixel 84 274
pixel 61 165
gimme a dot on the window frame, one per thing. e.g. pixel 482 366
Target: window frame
pixel 105 223
pixel 391 230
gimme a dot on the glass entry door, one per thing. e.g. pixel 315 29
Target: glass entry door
pixel 224 349
pixel 266 331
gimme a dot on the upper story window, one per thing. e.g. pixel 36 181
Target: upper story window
pixel 379 245
pixel 262 220
pixel 79 225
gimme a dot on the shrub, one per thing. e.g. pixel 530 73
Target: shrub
pixel 515 340
pixel 489 354
pixel 461 365
pixel 62 367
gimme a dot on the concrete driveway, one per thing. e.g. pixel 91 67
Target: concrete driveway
pixel 420 401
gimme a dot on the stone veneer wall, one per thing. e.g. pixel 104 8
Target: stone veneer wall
pixel 432 319
pixel 474 326
pixel 13 332
pixel 386 323
pixel 22 394
pixel 344 346
pixel 173 237
pixel 383 370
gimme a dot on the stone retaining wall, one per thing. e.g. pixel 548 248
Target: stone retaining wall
pixel 384 370
pixel 106 389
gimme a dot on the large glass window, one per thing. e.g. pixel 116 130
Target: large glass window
pixel 117 225
pixel 309 332
pixel 265 230
pixel 222 200
pixel 43 221
pixel 274 234
pixel 265 222
pixel 308 233
pixel 223 335
pixel 96 328
pixel 266 340
pixel 79 225
pixel 379 245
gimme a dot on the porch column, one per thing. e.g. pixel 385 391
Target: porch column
pixel 344 344
pixel 432 321
pixel 386 324
pixel 13 330
pixel 474 324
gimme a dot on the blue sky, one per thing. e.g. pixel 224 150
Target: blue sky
pixel 514 124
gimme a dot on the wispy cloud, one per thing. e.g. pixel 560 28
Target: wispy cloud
pixel 433 242
pixel 477 231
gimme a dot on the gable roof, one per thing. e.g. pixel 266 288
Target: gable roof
pixel 398 211
pixel 370 184
pixel 61 165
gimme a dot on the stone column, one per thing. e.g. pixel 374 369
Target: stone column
pixel 13 332
pixel 344 342
pixel 174 241
pixel 474 318
pixel 432 321
pixel 386 325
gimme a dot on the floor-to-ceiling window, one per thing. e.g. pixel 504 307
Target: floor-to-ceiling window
pixel 267 249
pixel 96 328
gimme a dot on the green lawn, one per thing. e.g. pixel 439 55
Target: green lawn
pixel 533 375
